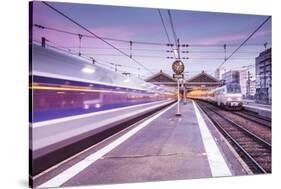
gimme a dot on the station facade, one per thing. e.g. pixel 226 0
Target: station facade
pixel 264 77
pixel 201 81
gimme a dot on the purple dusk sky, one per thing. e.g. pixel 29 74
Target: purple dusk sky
pixel 206 32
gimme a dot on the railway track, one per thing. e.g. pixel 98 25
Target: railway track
pixel 254 117
pixel 255 151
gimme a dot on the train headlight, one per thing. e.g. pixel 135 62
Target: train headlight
pixel 239 99
pixel 229 99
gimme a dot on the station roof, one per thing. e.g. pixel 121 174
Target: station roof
pixel 202 77
pixel 161 77
pixel 201 80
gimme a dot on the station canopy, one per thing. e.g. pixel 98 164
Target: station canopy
pixel 203 81
pixel 162 78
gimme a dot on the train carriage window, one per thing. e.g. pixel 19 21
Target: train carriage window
pixel 233 88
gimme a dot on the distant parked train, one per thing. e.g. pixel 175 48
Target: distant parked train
pixel 228 96
pixel 73 99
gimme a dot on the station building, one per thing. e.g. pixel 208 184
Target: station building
pixel 239 77
pixel 201 81
pixel 264 77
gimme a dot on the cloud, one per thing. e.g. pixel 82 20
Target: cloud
pixel 114 32
pixel 228 38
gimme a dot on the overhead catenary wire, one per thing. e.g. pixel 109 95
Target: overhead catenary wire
pixel 103 63
pixel 202 45
pixel 94 37
pixel 164 26
pixel 89 55
pixel 165 30
pixel 176 39
pixel 226 59
pixel 159 50
pixel 83 27
pixel 195 45
pixel 167 57
pixel 173 28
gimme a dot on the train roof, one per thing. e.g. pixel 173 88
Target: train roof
pixel 57 63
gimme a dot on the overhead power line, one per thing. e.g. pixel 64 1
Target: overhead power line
pixel 164 26
pixel 176 39
pixel 105 38
pixel 100 62
pixel 173 28
pixel 83 27
pixel 167 57
pixel 160 50
pixel 226 59
pixel 40 26
pixel 165 29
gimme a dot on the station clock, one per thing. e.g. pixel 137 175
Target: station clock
pixel 178 67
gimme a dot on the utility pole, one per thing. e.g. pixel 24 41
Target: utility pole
pixel 224 47
pixel 115 66
pixel 43 42
pixel 248 84
pixel 249 76
pixel 80 38
pixel 184 91
pixel 178 48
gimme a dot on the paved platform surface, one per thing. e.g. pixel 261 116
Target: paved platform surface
pixel 261 109
pixel 258 106
pixel 165 147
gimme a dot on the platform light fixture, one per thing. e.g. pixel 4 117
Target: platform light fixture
pixel 88 70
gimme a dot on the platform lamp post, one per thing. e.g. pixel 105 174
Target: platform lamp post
pixel 184 92
pixel 184 89
pixel 178 68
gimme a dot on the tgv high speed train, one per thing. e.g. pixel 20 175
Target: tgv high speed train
pixel 228 96
pixel 73 100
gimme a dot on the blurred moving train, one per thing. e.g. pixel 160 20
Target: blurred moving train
pixel 73 99
pixel 228 96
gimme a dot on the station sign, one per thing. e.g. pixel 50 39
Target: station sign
pixel 178 76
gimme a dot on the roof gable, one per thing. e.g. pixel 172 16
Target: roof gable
pixel 160 77
pixel 203 77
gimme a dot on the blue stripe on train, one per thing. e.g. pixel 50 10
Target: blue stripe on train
pixel 60 113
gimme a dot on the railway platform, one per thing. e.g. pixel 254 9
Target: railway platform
pixel 161 147
pixel 261 109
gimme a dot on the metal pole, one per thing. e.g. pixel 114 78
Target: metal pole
pixel 178 111
pixel 178 48
pixel 248 84
pixel 43 42
pixel 184 93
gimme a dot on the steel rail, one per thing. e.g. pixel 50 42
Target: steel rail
pixel 257 165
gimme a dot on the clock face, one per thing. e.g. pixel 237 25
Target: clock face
pixel 178 67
